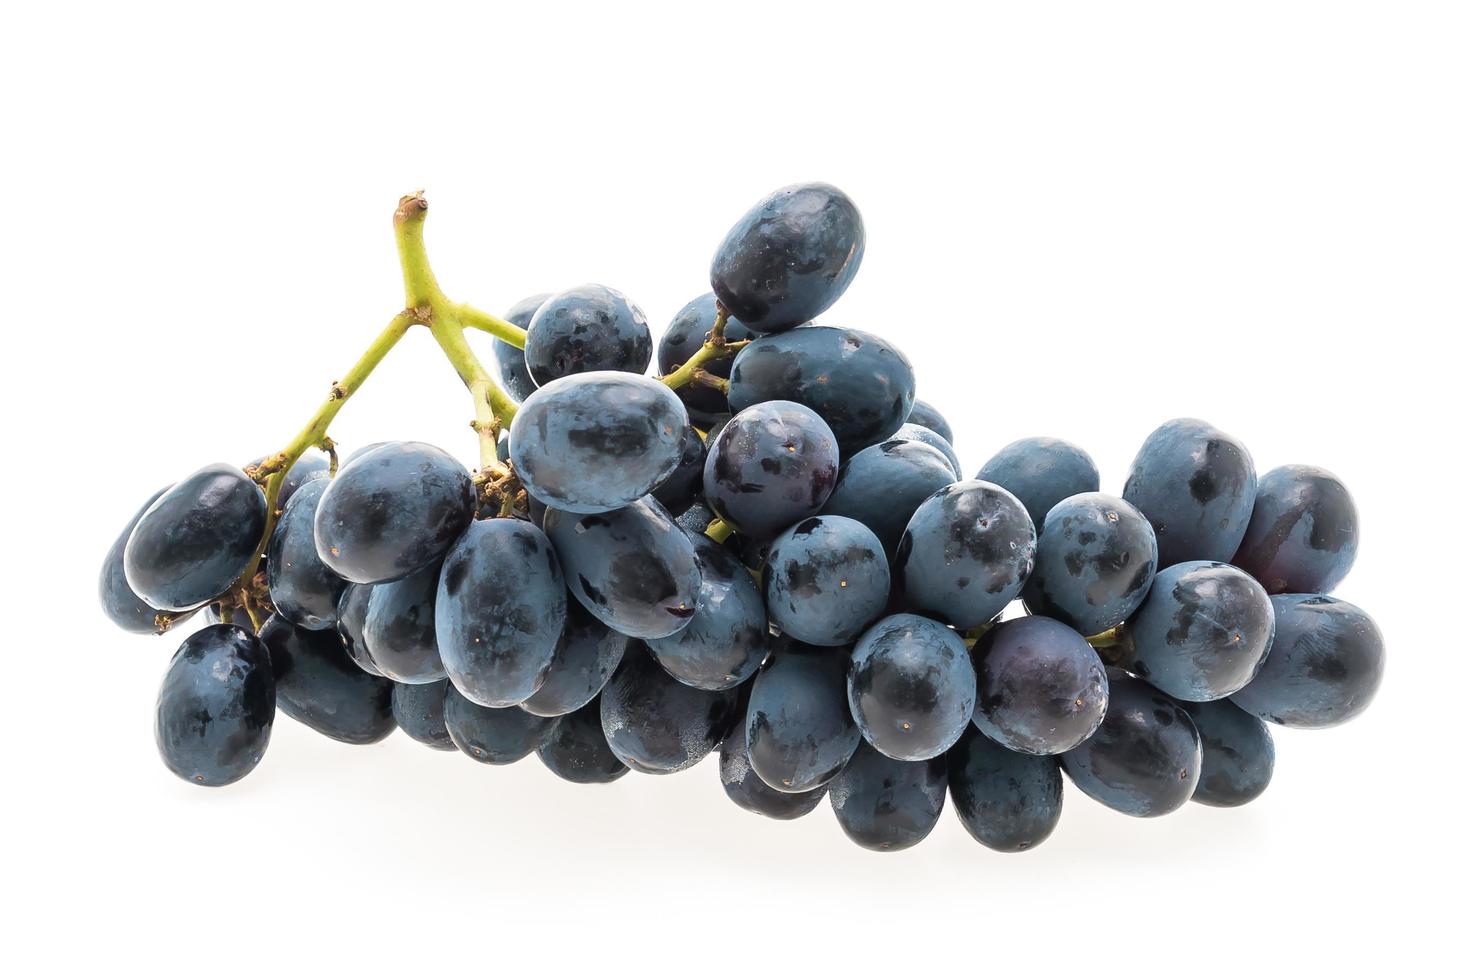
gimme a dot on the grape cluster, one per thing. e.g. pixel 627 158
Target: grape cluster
pixel 768 551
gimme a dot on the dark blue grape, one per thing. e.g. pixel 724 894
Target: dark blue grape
pixel 965 554
pixel 119 601
pixel 1041 688
pixel 929 417
pixel 678 492
pixel 798 728
pixel 744 786
pixel 576 748
pixel 1196 485
pixel 318 684
pixel 910 687
pixel 1006 800
pixel 1093 563
pixel 514 375
pixel 351 622
pixel 598 441
pixel 393 511
pixel 1202 632
pixel 1145 758
pixel 397 632
pixel 685 337
pixel 216 706
pixel 495 736
pixel 1041 472
pixel 586 656
pixel 1323 668
pixel 657 725
pixel 418 710
pixel 309 468
pixel 302 588
pixel 195 540
pixel 772 465
pixel 728 636
pixel 790 257
pixel 589 328
pixel 826 580
pixel 1303 533
pixel 909 432
pixel 696 519
pixel 882 486
pixel 500 611
pixel 861 385
pixel 633 569
pixel 886 804
pixel 1238 754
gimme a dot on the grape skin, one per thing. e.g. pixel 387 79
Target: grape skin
pixel 728 636
pixel 586 656
pixel 1202 632
pixel 1006 800
pixel 1238 754
pixel 514 375
pixel 393 511
pixel 195 539
pixel 928 417
pixel 598 441
pixel 1094 563
pixel 494 736
pixel 799 731
pixel 883 485
pixel 774 464
pixel 318 684
pixel 789 257
pixel 826 579
pixel 655 724
pixel 746 789
pixel 916 433
pixel 684 337
pixel 684 486
pixel 885 804
pixel 501 609
pixel 216 706
pixel 1041 472
pixel 1041 688
pixel 910 686
pixel 418 710
pixel 576 748
pixel 302 588
pixel 398 630
pixel 589 328
pixel 1303 532
pixel 119 601
pixel 1197 486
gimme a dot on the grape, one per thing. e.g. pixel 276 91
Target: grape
pixel 514 375
pixel 589 328
pixel 309 468
pixel 1196 485
pixel 418 710
pixel 748 790
pixel 1303 533
pixel 772 465
pixel 684 337
pixel 728 636
pixel 302 589
pixel 826 580
pixel 910 687
pixel 1006 800
pixel 1041 472
pixel 318 685
pixel 1041 688
pixel 1324 666
pixel 598 441
pixel 351 622
pixel 195 540
pixel 799 731
pixel 965 554
pixel 1202 632
pixel 216 706
pixel 695 520
pixel 882 486
pixel 790 257
pixel 501 607
pixel 397 632
pixel 585 657
pixel 496 736
pixel 633 569
pixel 909 432
pixel 656 725
pixel 929 417
pixel 1094 562
pixel 1238 754
pixel 679 491
pixel 1145 758
pixel 858 383
pixel 886 804
pixel 119 602
pixel 393 511
pixel 576 748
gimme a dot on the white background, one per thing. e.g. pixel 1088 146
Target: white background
pixel 1083 219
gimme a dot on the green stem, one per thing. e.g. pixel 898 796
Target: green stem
pixel 714 349
pixel 503 329
pixel 1110 638
pixel 718 530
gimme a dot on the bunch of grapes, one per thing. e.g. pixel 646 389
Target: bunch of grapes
pixel 768 551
